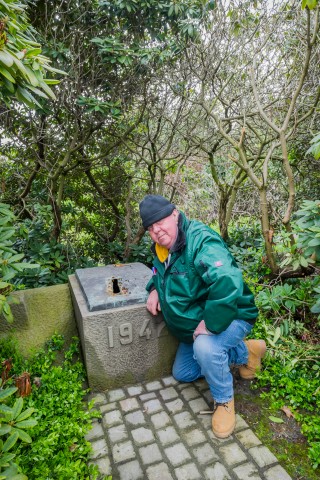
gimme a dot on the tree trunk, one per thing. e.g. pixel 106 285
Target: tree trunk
pixel 267 233
pixel 223 208
pixel 57 219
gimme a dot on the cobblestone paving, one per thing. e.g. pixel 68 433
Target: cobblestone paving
pixel 153 431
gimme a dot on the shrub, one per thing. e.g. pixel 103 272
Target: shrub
pixel 10 260
pixel 14 420
pixel 59 449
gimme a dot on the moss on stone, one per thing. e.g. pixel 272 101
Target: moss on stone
pixel 41 312
pixel 100 383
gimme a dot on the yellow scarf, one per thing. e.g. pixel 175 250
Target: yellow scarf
pixel 162 253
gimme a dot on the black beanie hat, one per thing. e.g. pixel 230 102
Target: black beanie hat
pixel 154 208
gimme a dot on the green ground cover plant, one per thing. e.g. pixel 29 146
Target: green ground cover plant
pixel 289 320
pixel 11 263
pixel 58 448
pixel 291 371
pixel 14 420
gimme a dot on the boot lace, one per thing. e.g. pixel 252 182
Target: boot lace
pixel 225 405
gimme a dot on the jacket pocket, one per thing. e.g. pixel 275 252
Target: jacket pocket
pixel 178 284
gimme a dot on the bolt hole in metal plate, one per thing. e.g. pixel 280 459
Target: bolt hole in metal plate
pixel 114 286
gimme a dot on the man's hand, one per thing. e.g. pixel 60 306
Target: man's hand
pixel 201 330
pixel 153 305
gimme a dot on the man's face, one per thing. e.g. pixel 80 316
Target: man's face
pixel 165 231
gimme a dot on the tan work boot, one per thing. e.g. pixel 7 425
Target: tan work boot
pixel 257 350
pixel 223 419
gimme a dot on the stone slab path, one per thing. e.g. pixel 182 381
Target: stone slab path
pixel 153 431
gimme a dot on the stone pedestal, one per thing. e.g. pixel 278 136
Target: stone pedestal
pixel 122 343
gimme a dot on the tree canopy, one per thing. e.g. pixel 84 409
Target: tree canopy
pixel 195 100
pixel 214 105
pixel 23 68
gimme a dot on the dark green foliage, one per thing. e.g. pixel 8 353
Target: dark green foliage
pixel 11 264
pixel 296 296
pixel 14 421
pixel 315 147
pixel 293 378
pixel 138 253
pixel 22 67
pixel 309 228
pixel 246 245
pixel 55 260
pixel 287 321
pixel 291 370
pixel 59 450
pixel 152 20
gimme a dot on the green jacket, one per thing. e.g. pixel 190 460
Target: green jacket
pixel 201 282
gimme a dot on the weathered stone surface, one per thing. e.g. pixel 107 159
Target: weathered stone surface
pixel 115 395
pixel 135 390
pixel 103 465
pixel 167 435
pixel 152 406
pixel 150 454
pixel 217 472
pixel 184 420
pixel 205 454
pixel 99 448
pixel 156 443
pixel 232 454
pixel 131 471
pixel 175 406
pixel 41 313
pixel 262 456
pixel 248 470
pixel 277 473
pixel 122 346
pixel 159 472
pixel 142 435
pixel 168 393
pixel 177 454
pixel 188 472
pixel 129 404
pixel 123 451
pixel 248 438
pixel 169 381
pixel 112 418
pixel 135 418
pixel 114 286
pixel 194 437
pixel 117 433
pixel 160 420
pixel 95 432
pixel 189 393
pixel 198 405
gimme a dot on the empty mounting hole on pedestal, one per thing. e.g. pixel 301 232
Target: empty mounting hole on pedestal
pixel 115 286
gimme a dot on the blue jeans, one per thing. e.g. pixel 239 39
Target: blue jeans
pixel 210 356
